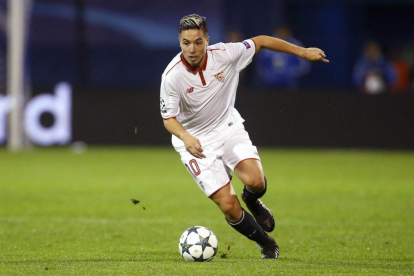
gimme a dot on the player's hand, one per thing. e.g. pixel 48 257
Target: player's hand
pixel 193 145
pixel 315 54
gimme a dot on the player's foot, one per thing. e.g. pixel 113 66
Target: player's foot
pixel 270 251
pixel 262 214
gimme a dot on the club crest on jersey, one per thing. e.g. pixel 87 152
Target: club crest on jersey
pixel 220 76
pixel 190 90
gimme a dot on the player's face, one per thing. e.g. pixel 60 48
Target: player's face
pixel 194 46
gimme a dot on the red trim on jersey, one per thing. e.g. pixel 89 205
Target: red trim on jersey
pixel 202 77
pixel 173 67
pixel 213 193
pixel 170 118
pixel 193 69
pixel 216 50
pixel 244 160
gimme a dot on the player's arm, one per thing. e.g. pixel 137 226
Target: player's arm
pixel 192 144
pixel 279 45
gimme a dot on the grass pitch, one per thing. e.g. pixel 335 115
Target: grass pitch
pixel 337 212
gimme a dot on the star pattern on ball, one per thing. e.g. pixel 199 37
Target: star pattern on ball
pixel 204 242
pixel 199 259
pixel 192 230
pixel 185 247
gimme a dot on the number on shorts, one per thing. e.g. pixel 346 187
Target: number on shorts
pixel 195 169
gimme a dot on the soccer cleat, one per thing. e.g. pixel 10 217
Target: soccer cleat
pixel 270 251
pixel 262 214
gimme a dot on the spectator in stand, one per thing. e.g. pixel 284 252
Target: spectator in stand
pixel 373 73
pixel 277 69
pixel 402 85
pixel 400 60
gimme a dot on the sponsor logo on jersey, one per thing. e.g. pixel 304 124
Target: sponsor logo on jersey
pixel 220 76
pixel 190 90
pixel 201 185
pixel 246 44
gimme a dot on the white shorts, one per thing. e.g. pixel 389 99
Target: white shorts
pixel 213 172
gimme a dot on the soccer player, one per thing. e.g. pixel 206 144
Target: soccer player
pixel 198 92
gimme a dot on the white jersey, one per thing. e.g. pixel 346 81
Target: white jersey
pixel 202 99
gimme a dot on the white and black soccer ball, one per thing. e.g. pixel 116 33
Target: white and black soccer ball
pixel 198 244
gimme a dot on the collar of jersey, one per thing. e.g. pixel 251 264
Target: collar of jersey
pixel 192 69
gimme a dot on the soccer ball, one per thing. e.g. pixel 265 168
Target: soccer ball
pixel 198 244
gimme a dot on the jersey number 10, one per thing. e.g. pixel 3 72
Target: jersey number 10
pixel 193 167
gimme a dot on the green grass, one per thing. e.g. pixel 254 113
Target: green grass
pixel 337 212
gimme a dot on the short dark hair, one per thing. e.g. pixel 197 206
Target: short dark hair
pixel 193 22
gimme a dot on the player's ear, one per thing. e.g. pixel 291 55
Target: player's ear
pixel 208 40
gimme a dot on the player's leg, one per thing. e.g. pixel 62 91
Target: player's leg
pixel 250 172
pixel 228 203
pixel 243 222
pixel 242 157
pixel 213 177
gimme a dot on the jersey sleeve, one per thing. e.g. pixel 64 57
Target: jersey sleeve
pixel 241 53
pixel 169 100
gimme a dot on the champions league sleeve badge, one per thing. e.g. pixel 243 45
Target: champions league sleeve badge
pixel 246 44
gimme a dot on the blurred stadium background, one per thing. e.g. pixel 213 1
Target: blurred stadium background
pixel 111 55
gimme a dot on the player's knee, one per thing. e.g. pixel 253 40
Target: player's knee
pixel 256 183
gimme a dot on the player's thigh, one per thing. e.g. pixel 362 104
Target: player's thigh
pixel 238 148
pixel 243 158
pixel 210 173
